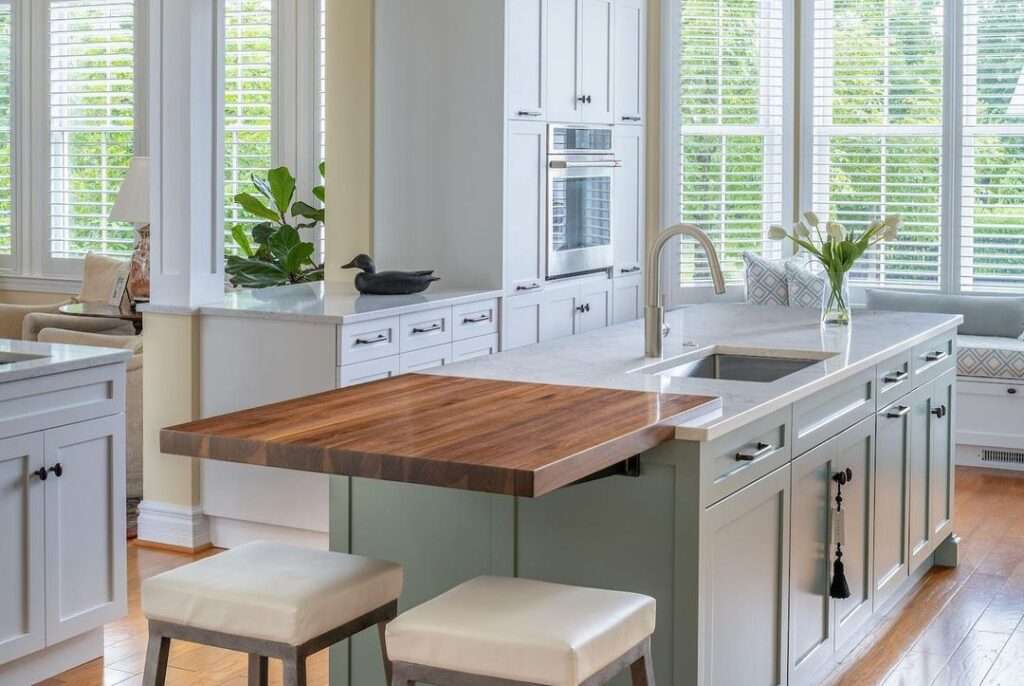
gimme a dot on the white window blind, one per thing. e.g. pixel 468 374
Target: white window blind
pixel 6 170
pixel 730 100
pixel 877 138
pixel 248 102
pixel 992 221
pixel 92 134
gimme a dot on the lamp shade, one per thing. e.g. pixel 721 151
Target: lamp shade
pixel 132 204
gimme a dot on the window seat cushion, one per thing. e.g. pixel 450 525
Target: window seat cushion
pixel 983 315
pixel 990 357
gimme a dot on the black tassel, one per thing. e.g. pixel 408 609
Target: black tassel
pixel 839 588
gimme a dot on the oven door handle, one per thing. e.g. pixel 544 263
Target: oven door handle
pixel 563 164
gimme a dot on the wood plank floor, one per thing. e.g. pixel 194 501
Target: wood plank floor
pixel 960 626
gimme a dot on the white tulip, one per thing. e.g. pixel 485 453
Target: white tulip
pixel 893 220
pixel 801 231
pixel 890 233
pixel 836 231
pixel 776 233
pixel 811 218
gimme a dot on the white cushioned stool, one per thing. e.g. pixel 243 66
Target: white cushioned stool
pixel 268 600
pixel 497 631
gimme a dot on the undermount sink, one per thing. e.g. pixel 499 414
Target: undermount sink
pixel 734 364
pixel 12 358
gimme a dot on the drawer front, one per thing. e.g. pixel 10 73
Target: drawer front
pixel 425 329
pixel 367 340
pixel 481 346
pixel 826 413
pixel 933 358
pixel 426 358
pixel 474 319
pixel 371 370
pixel 893 378
pixel 57 399
pixel 731 462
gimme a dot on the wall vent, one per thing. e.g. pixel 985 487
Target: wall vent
pixel 1003 456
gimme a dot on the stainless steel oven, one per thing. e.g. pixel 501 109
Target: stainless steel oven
pixel 581 170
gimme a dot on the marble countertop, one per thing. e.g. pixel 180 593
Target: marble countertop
pixel 329 302
pixel 42 359
pixel 609 358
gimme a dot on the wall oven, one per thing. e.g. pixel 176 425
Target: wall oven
pixel 581 166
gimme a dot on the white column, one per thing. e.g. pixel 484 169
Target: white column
pixel 186 146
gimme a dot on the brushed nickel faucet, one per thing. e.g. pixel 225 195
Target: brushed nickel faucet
pixel 654 312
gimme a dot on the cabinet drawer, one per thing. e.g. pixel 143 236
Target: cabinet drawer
pixel 933 358
pixel 53 400
pixel 426 328
pixel 481 346
pixel 826 413
pixel 474 319
pixel 367 340
pixel 426 358
pixel 893 378
pixel 371 370
pixel 733 461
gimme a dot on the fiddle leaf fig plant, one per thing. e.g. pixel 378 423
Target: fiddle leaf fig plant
pixel 272 251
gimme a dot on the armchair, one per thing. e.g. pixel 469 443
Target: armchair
pixel 13 316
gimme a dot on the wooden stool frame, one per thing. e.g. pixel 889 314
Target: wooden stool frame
pixel 259 650
pixel 637 659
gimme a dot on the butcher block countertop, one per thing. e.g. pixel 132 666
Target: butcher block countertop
pixel 494 436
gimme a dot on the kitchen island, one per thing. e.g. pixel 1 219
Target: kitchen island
pixel 726 518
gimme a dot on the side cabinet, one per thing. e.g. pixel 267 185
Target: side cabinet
pixel 942 466
pixel 525 67
pixel 630 61
pixel 628 205
pixel 744 596
pixel 525 185
pixel 919 538
pixel 892 503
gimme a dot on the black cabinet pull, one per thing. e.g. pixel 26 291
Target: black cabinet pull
pixel 898 411
pixel 57 469
pixel 630 118
pixel 477 319
pixel 895 377
pixel 426 329
pixel 1011 391
pixel 844 477
pixel 939 411
pixel 370 341
pixel 40 473
pixel 586 99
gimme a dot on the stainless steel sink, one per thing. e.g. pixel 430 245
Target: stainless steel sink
pixel 736 365
pixel 12 358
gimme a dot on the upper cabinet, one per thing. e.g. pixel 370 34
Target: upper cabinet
pixel 525 66
pixel 630 61
pixel 579 61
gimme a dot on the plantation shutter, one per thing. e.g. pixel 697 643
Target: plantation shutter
pixel 92 131
pixel 877 129
pixel 248 102
pixel 730 100
pixel 992 234
pixel 6 170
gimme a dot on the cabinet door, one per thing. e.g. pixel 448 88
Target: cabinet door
pixel 892 469
pixel 628 201
pixel 627 298
pixel 596 303
pixel 744 597
pixel 371 370
pixel 524 207
pixel 918 522
pixel 521 320
pixel 630 61
pixel 855 451
pixel 85 527
pixel 527 38
pixel 595 60
pixel 942 455
pixel 558 313
pixel 22 628
pixel 425 358
pixel 562 58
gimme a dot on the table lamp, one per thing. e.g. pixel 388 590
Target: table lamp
pixel 132 205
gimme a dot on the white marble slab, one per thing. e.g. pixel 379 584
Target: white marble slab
pixel 606 358
pixel 328 302
pixel 52 358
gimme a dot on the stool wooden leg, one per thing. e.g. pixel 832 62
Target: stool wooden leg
pixel 381 628
pixel 157 651
pixel 397 678
pixel 643 669
pixel 257 670
pixel 295 670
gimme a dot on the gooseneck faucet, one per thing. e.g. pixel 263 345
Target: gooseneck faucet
pixel 654 312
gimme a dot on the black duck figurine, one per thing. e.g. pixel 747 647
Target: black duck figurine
pixel 370 282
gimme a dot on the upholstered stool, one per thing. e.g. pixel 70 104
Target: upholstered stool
pixel 495 631
pixel 268 600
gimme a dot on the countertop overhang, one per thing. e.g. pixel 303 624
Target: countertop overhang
pixel 506 437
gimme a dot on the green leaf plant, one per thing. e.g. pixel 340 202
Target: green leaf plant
pixel 272 252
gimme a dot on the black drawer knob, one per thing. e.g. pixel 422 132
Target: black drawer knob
pixel 57 469
pixel 41 473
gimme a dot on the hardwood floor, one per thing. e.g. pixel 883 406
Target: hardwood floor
pixel 960 626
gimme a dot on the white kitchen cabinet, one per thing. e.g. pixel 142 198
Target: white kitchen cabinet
pixel 892 468
pixel 855 454
pixel 472 348
pixel 628 224
pixel 371 370
pixel 426 358
pixel 744 596
pixel 526 63
pixel 525 215
pixel 22 605
pixel 594 305
pixel 627 298
pixel 942 457
pixel 558 315
pixel 579 61
pixel 919 539
pixel 630 60
pixel 520 320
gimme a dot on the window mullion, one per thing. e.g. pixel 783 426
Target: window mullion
pixel 952 172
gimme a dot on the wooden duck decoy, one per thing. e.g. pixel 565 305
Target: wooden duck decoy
pixel 371 282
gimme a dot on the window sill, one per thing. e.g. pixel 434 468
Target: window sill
pixel 40 284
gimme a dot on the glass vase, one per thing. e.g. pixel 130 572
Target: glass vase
pixel 835 299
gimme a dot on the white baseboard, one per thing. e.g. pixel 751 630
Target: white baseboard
pixel 971 456
pixel 228 533
pixel 49 662
pixel 173 525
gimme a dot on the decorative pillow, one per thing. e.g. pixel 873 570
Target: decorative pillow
pixel 805 287
pixel 983 315
pixel 765 280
